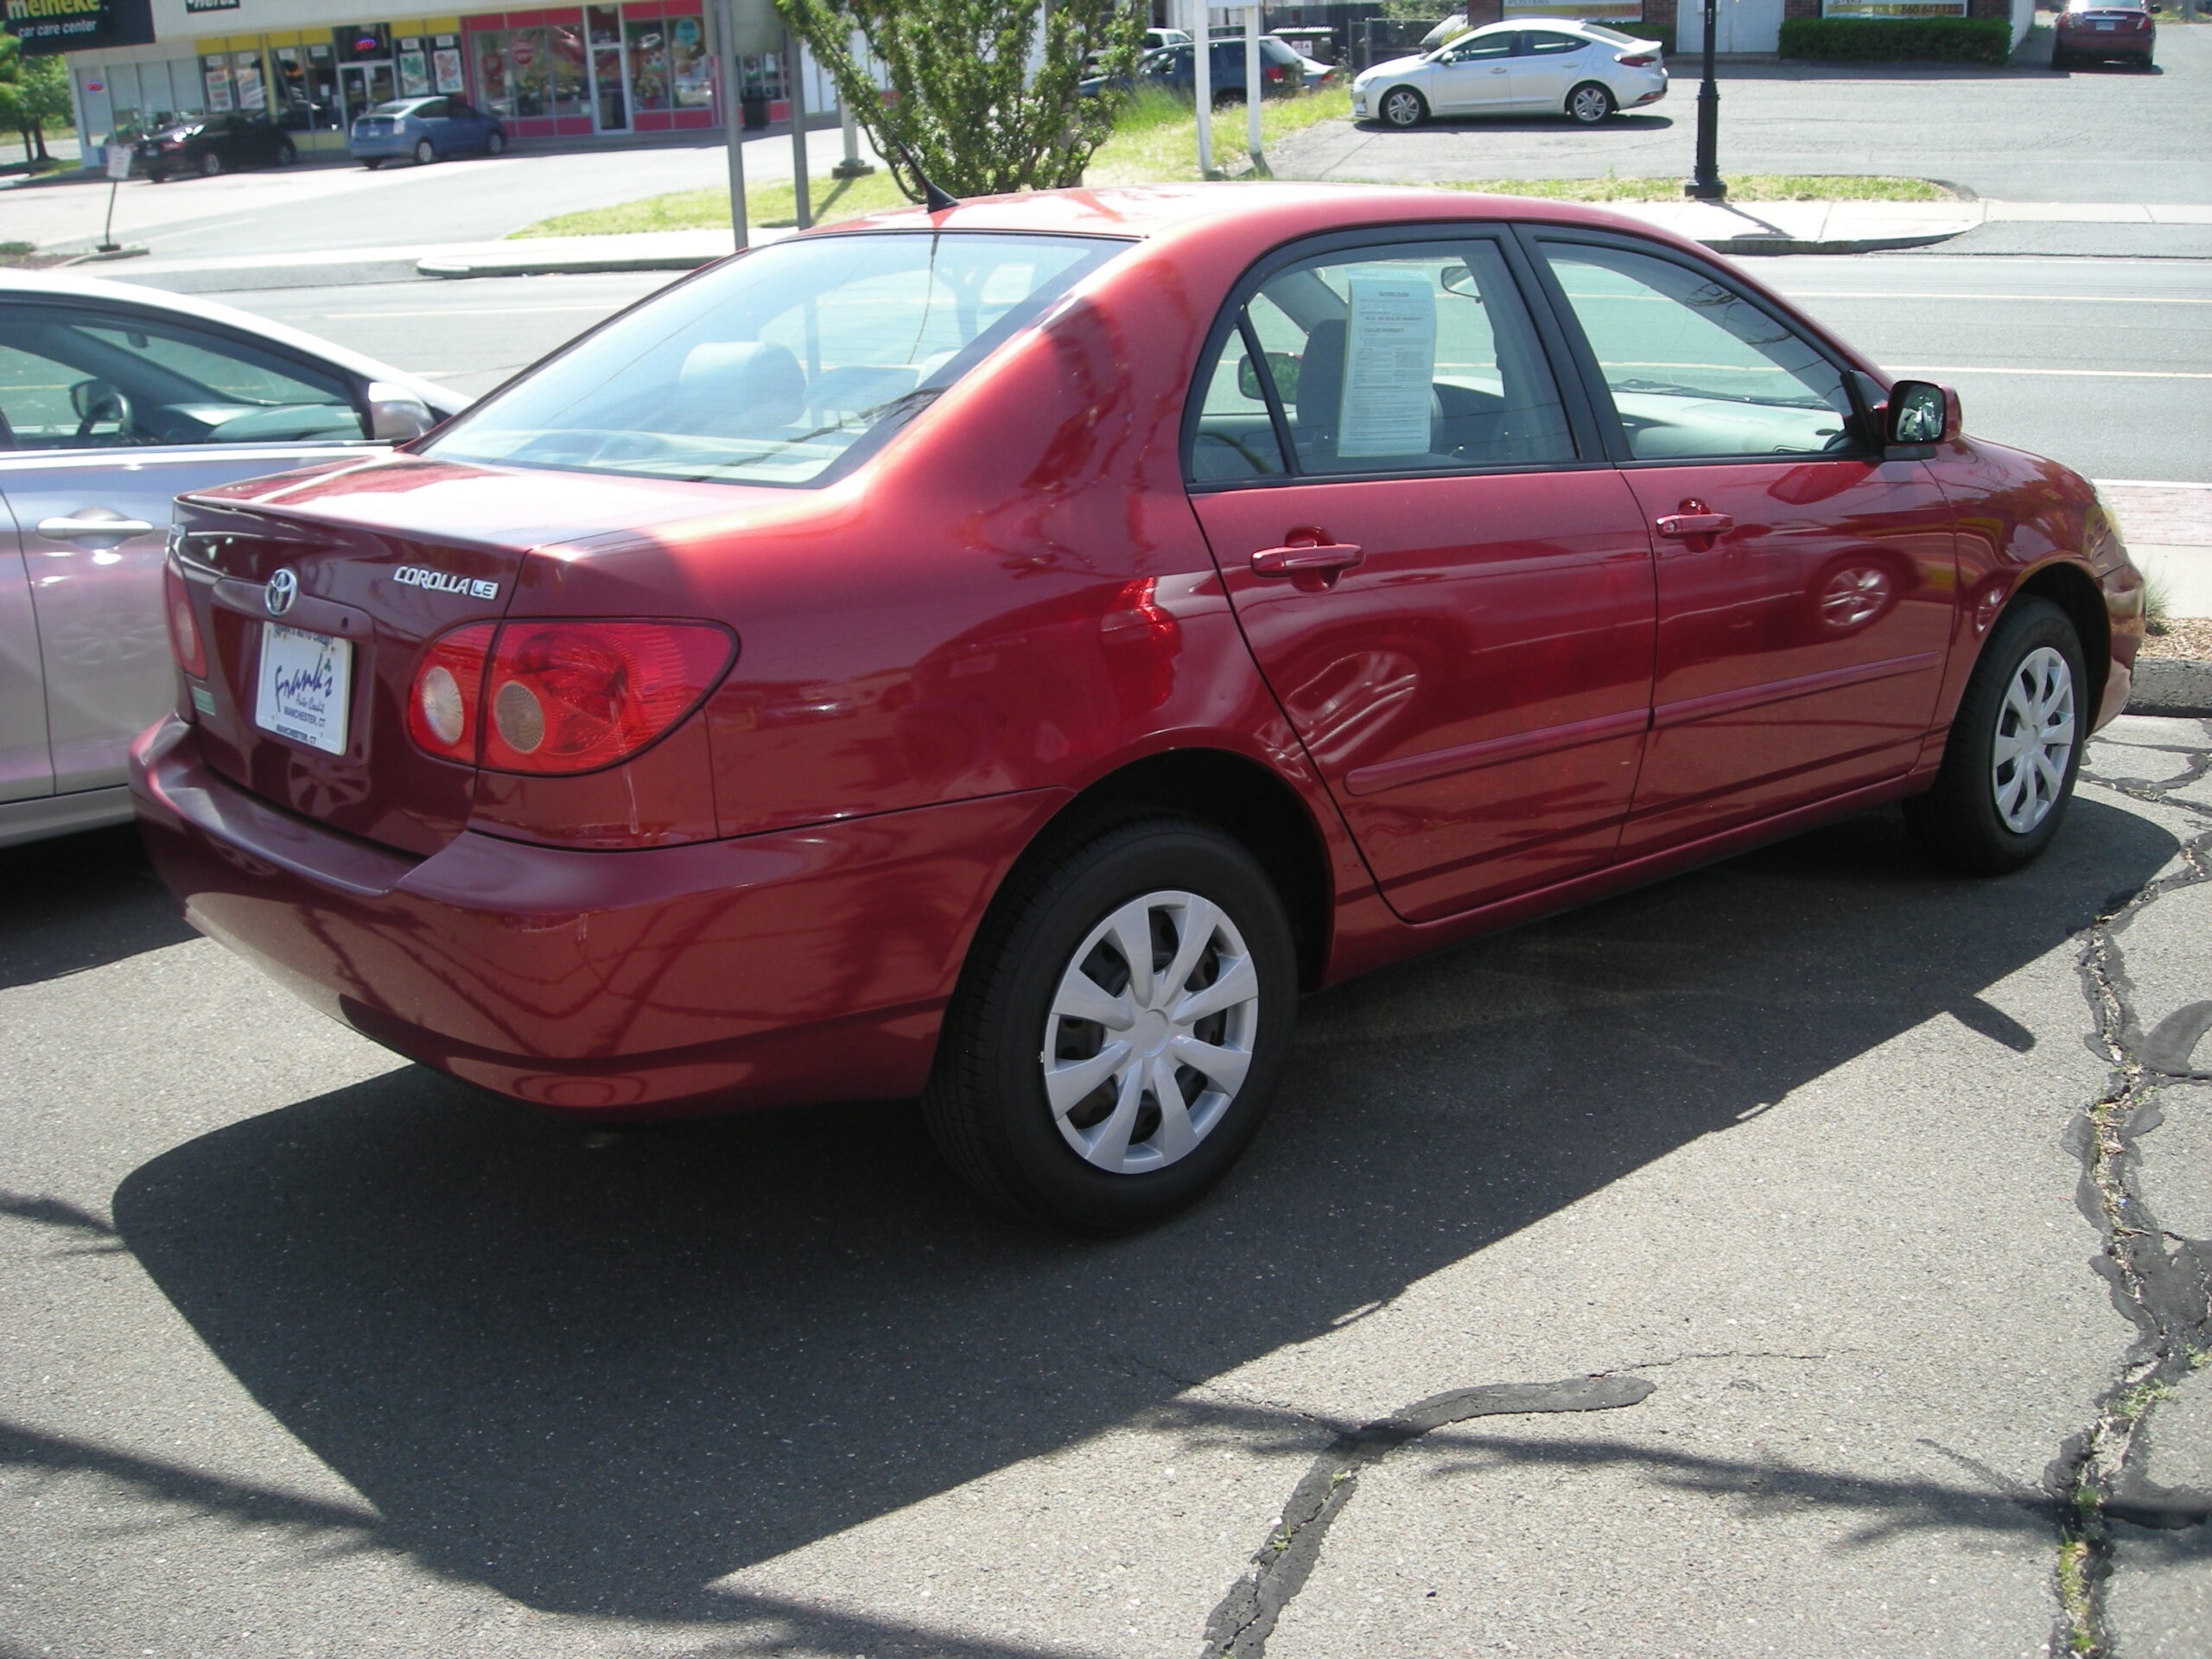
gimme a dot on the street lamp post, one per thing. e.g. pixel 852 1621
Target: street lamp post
pixel 1706 184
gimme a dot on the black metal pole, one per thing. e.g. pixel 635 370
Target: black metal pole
pixel 1706 184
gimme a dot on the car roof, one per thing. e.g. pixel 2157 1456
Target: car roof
pixel 191 308
pixel 1272 211
pixel 1565 25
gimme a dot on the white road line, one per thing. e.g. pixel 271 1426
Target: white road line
pixel 2066 299
pixel 2145 484
pixel 2094 374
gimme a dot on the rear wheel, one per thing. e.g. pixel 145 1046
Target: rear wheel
pixel 494 143
pixel 2015 746
pixel 285 154
pixel 1121 1022
pixel 373 162
pixel 425 152
pixel 210 165
pixel 1589 103
pixel 1402 106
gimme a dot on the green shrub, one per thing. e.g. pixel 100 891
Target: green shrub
pixel 1872 40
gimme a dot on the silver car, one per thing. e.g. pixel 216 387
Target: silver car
pixel 1522 67
pixel 114 399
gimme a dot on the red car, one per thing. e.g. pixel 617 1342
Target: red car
pixel 2090 29
pixel 1005 656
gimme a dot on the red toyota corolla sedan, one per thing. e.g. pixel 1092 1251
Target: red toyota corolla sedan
pixel 1006 655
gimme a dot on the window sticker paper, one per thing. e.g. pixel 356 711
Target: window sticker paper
pixel 1389 366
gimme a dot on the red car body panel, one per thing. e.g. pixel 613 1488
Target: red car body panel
pixel 1019 600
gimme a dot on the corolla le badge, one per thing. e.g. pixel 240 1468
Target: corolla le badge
pixel 437 582
pixel 283 587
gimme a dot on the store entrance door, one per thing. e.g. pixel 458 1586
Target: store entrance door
pixel 610 79
pixel 362 87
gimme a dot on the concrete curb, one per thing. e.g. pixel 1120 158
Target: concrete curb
pixel 1777 244
pixel 583 265
pixel 2172 685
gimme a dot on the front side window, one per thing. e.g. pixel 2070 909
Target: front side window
pixel 73 379
pixel 1410 358
pixel 1487 45
pixel 1697 370
pixel 776 368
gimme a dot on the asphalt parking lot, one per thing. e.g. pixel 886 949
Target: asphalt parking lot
pixel 1780 1172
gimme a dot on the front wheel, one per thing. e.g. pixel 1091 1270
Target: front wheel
pixel 1121 1022
pixel 1402 107
pixel 1590 103
pixel 2014 748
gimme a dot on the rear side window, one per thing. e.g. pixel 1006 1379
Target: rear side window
pixel 777 367
pixel 1405 359
pixel 1546 45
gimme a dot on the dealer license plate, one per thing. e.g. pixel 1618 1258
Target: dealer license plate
pixel 305 686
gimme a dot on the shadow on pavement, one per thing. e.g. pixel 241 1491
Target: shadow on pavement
pixel 596 1379
pixel 80 901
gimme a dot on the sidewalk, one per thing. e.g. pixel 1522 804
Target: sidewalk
pixel 1759 228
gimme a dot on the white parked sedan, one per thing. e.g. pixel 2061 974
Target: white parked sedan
pixel 1516 67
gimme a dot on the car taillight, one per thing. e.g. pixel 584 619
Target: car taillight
pixel 1638 60
pixel 442 704
pixel 184 633
pixel 1274 72
pixel 557 696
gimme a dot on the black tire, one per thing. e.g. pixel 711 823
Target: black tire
pixel 1589 103
pixel 1960 822
pixel 1228 98
pixel 156 178
pixel 285 154
pixel 2060 59
pixel 425 152
pixel 494 143
pixel 210 163
pixel 986 1105
pixel 373 162
pixel 1402 107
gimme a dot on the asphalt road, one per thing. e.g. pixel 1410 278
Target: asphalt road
pixel 2105 364
pixel 1750 1202
pixel 341 204
pixel 2091 135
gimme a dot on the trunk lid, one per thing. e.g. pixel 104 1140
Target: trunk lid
pixel 379 559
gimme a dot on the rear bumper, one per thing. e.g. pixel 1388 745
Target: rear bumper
pixel 773 969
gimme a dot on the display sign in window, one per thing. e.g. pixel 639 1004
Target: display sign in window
pixel 1892 9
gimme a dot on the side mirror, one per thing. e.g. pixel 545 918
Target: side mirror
pixel 396 414
pixel 1281 365
pixel 1920 413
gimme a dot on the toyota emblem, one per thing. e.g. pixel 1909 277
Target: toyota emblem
pixel 283 587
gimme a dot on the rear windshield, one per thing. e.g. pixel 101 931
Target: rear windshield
pixel 398 106
pixel 774 368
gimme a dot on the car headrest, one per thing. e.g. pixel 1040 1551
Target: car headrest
pixel 1321 376
pixel 744 386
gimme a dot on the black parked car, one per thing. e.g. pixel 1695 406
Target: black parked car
pixel 1284 70
pixel 209 144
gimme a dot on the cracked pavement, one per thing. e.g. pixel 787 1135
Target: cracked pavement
pixel 1803 1256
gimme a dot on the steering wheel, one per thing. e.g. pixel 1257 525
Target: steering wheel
pixel 110 403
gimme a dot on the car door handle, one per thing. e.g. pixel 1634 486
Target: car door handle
pixel 1309 553
pixel 75 527
pixel 1695 520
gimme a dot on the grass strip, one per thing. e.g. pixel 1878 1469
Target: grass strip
pixel 1155 141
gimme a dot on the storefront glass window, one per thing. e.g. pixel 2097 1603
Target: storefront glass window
pixel 690 70
pixel 247 84
pixel 414 67
pixel 648 62
pixel 527 72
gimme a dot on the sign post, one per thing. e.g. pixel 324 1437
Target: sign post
pixel 119 170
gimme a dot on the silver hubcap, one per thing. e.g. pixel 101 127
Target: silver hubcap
pixel 1589 105
pixel 1400 110
pixel 2035 739
pixel 1150 1033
